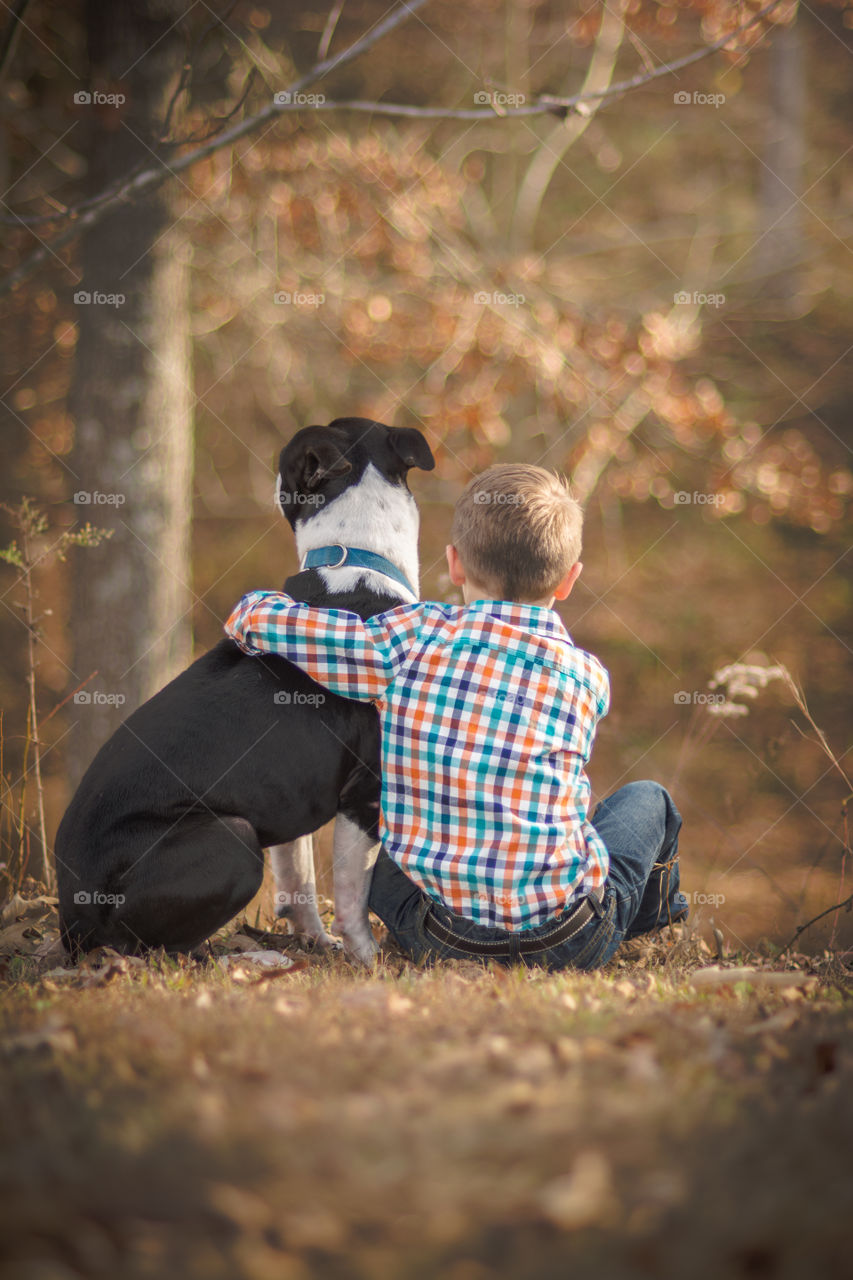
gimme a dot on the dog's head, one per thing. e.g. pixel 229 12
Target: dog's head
pixel 321 463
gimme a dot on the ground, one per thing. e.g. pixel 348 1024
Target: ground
pixel 670 1116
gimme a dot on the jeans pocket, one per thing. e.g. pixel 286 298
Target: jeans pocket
pixel 597 942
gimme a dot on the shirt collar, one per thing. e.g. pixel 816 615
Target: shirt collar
pixel 535 618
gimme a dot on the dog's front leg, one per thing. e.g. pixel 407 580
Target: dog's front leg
pixel 354 856
pixel 296 890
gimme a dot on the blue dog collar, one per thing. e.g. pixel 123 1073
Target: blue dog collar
pixel 336 556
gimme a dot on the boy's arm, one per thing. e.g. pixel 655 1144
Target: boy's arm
pixel 349 656
pixel 589 703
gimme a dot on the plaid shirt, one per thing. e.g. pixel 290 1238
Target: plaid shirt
pixel 488 713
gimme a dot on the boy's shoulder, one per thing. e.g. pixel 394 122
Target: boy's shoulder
pixel 533 629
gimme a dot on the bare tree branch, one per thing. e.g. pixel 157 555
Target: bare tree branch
pixel 141 184
pixel 564 135
pixel 329 30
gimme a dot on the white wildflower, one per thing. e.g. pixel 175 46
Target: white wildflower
pixel 742 679
pixel 728 709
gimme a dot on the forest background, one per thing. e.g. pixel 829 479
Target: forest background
pixel 650 292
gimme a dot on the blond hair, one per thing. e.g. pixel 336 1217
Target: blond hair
pixel 517 529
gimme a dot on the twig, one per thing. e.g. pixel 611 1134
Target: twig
pixel 564 134
pixel 801 928
pixel 220 121
pixel 329 29
pixel 145 183
pixel 800 699
pixel 185 82
pixel 68 698
pixel 45 874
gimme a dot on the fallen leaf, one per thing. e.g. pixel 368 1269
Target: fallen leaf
pixel 259 959
pixel 20 939
pixel 240 942
pixel 18 908
pixel 779 1022
pixel 50 949
pixel 287 971
pixel 714 976
pixel 582 1197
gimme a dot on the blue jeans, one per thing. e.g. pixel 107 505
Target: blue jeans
pixel 639 824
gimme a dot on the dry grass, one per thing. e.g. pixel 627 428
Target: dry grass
pixel 169 1119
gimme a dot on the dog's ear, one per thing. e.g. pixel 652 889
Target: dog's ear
pixel 412 448
pixel 306 464
pixel 323 461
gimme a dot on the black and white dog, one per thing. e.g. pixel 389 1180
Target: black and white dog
pixel 163 841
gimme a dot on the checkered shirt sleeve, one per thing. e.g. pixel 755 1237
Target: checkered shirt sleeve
pixel 337 649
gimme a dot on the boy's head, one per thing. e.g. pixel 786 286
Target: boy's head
pixel 516 534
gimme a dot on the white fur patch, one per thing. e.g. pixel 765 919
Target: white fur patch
pixel 376 515
pixel 354 854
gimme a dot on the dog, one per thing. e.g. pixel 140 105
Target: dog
pixel 162 843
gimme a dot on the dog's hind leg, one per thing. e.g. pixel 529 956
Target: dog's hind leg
pixel 296 890
pixel 181 884
pixel 355 852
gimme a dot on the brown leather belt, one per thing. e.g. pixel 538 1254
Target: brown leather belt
pixel 517 944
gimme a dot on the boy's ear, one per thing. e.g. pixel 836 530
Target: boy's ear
pixel 454 566
pixel 563 589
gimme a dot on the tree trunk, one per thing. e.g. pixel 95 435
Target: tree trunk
pixel 131 397
pixel 780 250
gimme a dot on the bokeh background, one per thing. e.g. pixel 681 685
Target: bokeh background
pixel 651 295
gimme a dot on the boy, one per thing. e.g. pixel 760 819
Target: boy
pixel 488 713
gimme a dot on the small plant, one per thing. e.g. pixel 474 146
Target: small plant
pixel 747 680
pixel 25 554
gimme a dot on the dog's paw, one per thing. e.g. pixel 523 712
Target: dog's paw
pixel 323 942
pixel 360 952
